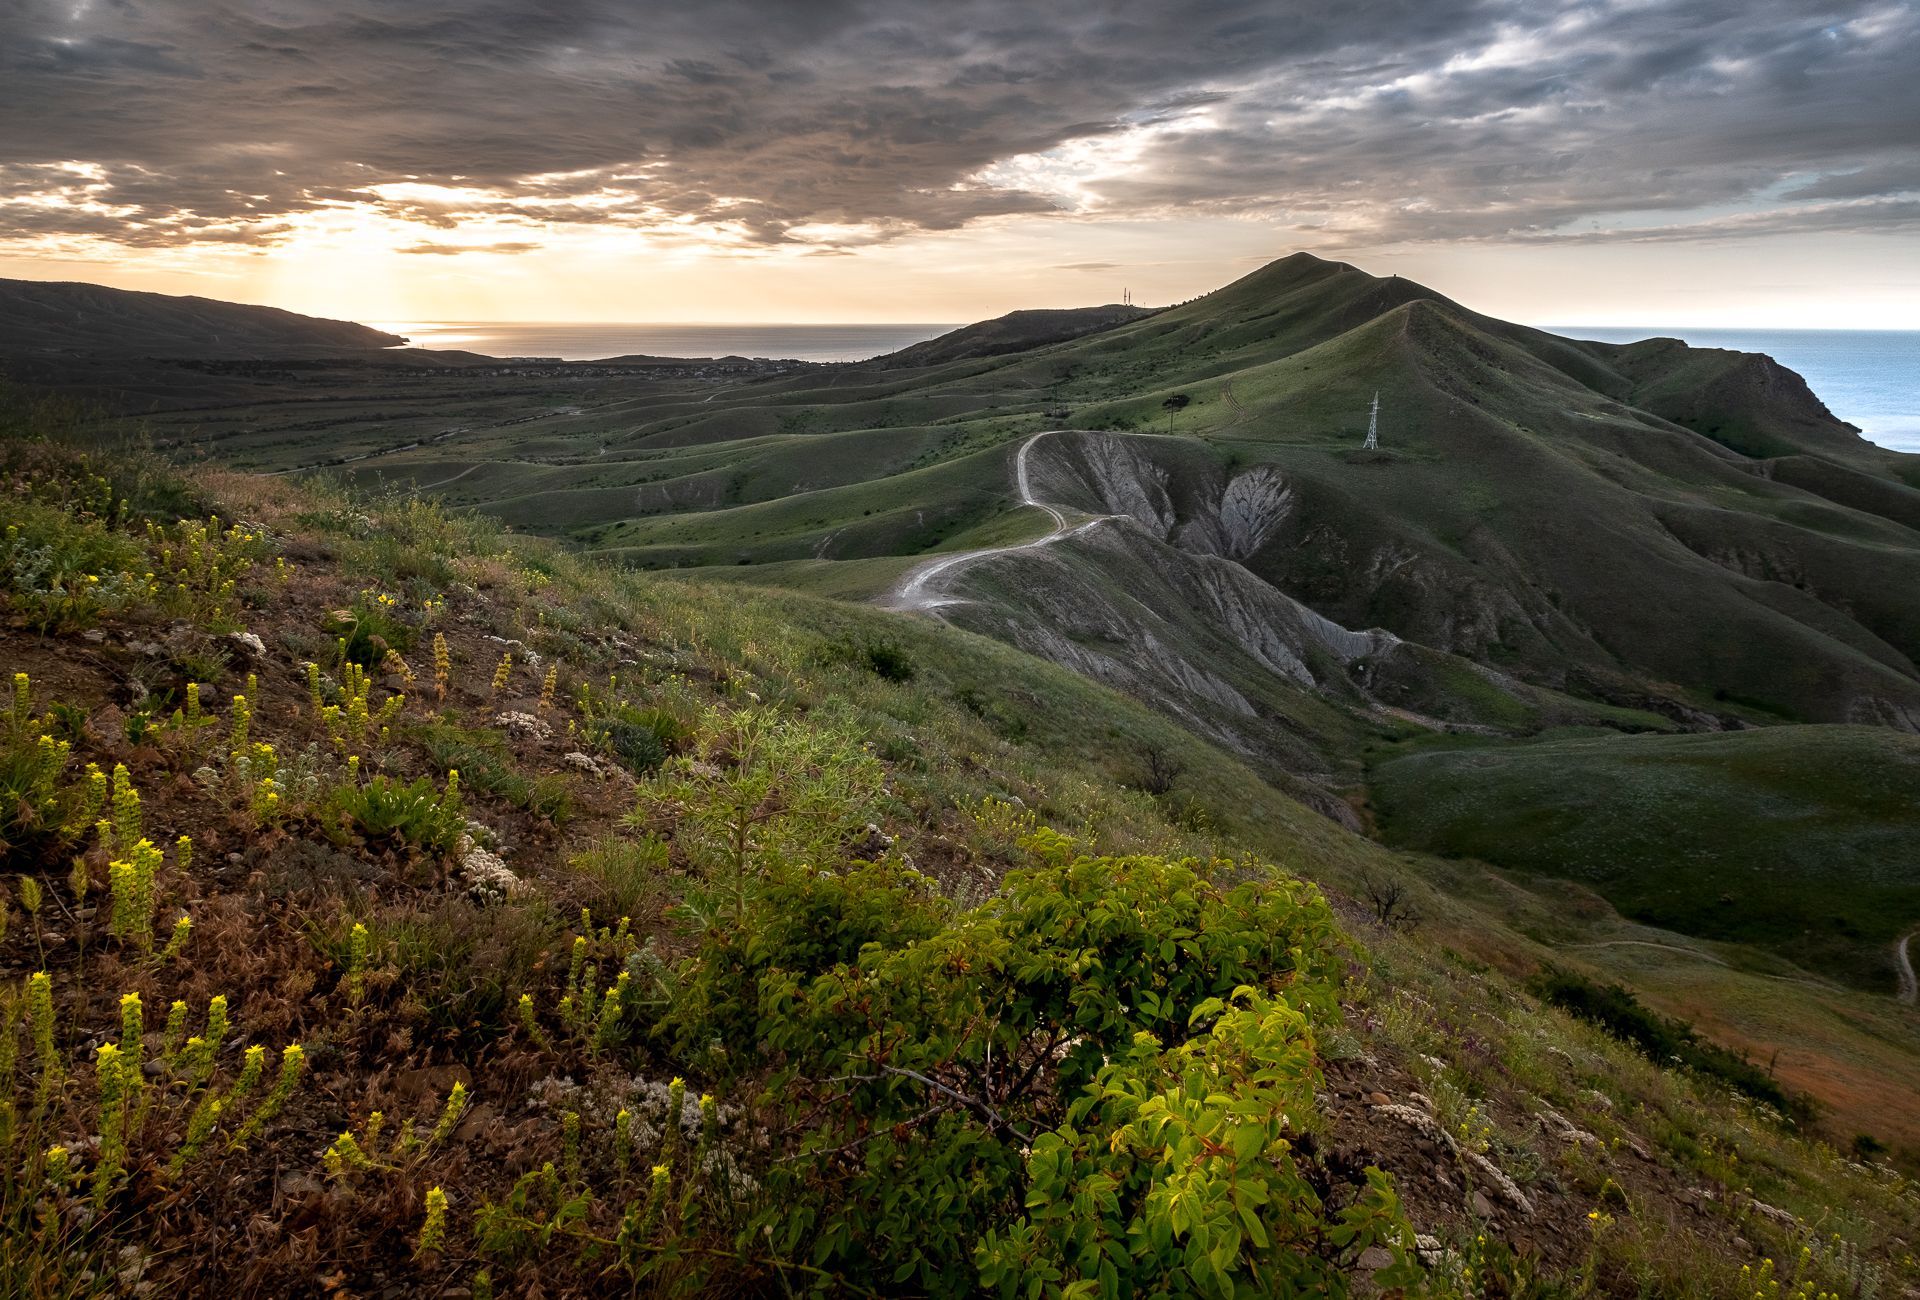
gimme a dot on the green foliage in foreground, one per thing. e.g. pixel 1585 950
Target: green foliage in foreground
pixel 1090 1082
pixel 1088 1085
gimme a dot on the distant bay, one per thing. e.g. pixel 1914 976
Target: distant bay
pixel 592 342
pixel 1867 377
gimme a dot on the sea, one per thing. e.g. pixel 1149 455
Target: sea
pixel 1868 377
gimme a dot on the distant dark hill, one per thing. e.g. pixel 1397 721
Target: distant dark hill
pixel 1015 332
pixel 40 317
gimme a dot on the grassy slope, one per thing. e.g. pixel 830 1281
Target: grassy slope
pixel 1795 839
pixel 977 718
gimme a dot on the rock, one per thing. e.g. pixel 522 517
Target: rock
pixel 1375 1258
pixel 479 1117
pixel 1561 1127
pixel 1379 1099
pixel 871 845
pixel 431 1082
pixel 93 636
pixel 249 643
pixel 1508 1190
pixel 1481 1205
pixel 299 1185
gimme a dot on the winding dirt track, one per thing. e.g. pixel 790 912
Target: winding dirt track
pixel 916 589
pixel 425 487
pixel 1903 962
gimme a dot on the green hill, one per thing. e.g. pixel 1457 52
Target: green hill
pixel 386 889
pixel 39 316
pixel 1796 839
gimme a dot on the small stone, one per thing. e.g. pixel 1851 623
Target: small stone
pixel 298 1184
pixel 1482 1206
pixel 1375 1258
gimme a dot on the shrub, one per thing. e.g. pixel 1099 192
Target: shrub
pixel 485 762
pixel 460 968
pixel 369 628
pixel 1079 1004
pixel 630 874
pixel 1665 1040
pixel 762 791
pixel 887 660
pixel 41 810
pixel 641 738
pixel 65 570
pixel 414 813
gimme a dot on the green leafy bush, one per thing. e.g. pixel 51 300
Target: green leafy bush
pixel 887 660
pixel 66 570
pixel 1024 1077
pixel 414 812
pixel 641 738
pixel 369 628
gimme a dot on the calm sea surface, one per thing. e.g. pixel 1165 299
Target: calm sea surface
pixel 1868 377
pixel 592 342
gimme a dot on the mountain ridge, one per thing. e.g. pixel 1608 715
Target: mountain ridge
pixel 40 316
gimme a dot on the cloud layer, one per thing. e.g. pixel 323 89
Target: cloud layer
pixel 833 124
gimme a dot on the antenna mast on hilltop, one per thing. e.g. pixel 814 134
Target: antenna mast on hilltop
pixel 1126 297
pixel 1373 426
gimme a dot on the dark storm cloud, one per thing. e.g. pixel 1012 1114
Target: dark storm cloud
pixel 1370 120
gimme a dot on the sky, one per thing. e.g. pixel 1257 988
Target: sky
pixel 1684 162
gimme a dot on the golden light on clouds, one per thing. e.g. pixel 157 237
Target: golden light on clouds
pixel 754 160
